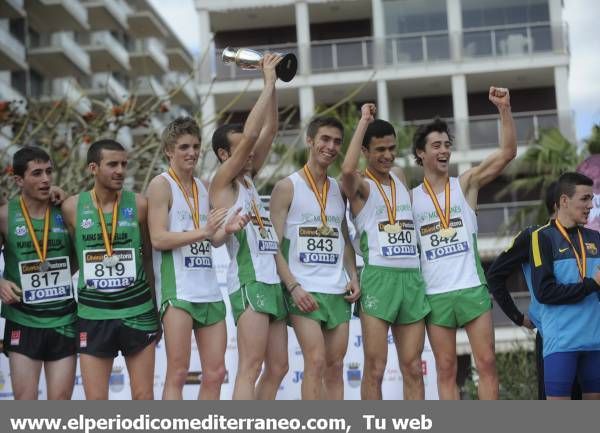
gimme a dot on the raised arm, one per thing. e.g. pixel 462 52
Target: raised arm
pixel 353 184
pixel 267 134
pixel 232 167
pixel 281 199
pixel 491 167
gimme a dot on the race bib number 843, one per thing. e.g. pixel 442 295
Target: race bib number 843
pixel 317 249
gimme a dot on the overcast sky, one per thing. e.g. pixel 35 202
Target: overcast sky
pixel 582 17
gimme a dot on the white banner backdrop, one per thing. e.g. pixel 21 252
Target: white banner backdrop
pixel 290 387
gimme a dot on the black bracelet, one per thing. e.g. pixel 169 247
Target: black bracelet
pixel 293 287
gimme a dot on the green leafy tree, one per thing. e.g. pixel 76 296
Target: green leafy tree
pixel 544 161
pixel 593 143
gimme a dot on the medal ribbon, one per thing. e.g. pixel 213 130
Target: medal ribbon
pixel 194 207
pixel 115 216
pixel 255 210
pixel 321 197
pixel 391 209
pixel 43 251
pixel 444 217
pixel 581 264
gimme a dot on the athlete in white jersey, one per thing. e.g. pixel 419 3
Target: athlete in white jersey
pixel 182 227
pixel 393 290
pixel 256 298
pixel 444 212
pixel 309 215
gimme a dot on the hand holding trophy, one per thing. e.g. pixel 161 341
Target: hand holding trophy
pixel 249 59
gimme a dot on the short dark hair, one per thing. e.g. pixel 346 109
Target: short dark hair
pixel 220 139
pixel 377 129
pixel 178 127
pixel 567 183
pixel 23 156
pixel 550 198
pixel 319 122
pixel 94 153
pixel 420 137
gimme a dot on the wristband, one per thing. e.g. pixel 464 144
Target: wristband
pixel 293 287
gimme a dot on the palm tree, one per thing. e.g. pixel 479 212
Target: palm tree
pixel 543 162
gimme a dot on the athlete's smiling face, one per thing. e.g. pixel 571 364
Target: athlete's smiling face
pixel 36 180
pixel 184 153
pixel 326 145
pixel 436 155
pixel 112 169
pixel 381 153
pixel 577 208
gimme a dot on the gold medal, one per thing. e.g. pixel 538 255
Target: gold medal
pixel 392 228
pixel 263 232
pixel 447 233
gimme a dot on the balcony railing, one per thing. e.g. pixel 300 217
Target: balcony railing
pixel 406 49
pixel 11 44
pixel 8 93
pixel 484 131
pixel 514 40
pixel 64 43
pixel 106 40
pixel 106 84
pixel 496 218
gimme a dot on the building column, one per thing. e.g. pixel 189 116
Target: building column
pixel 207 51
pixel 303 37
pixel 306 95
pixel 558 40
pixel 378 32
pixel 454 17
pixel 563 103
pixel 460 109
pixel 209 111
pixel 383 101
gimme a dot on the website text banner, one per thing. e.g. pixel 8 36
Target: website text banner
pixel 297 416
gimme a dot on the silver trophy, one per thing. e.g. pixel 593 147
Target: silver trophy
pixel 249 59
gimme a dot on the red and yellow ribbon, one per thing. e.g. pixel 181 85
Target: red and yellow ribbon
pixel 43 250
pixel 580 259
pixel 320 196
pixel 108 244
pixel 195 206
pixel 391 208
pixel 444 216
